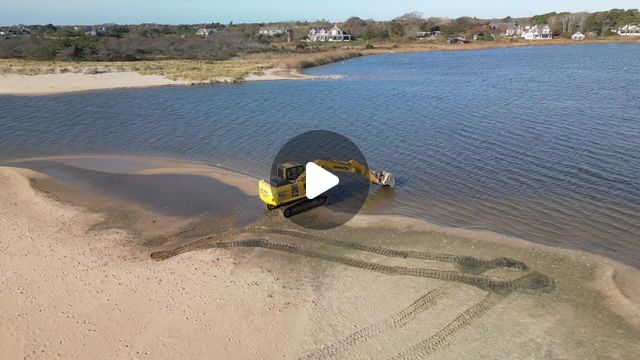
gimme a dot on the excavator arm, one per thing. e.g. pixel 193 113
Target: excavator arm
pixel 376 177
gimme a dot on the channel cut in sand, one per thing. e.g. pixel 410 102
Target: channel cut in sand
pixel 95 265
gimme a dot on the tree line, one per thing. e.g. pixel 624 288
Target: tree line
pixel 113 42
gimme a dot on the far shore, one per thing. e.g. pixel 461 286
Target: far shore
pixel 23 77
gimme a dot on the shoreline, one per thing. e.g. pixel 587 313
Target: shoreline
pixel 261 303
pixel 246 183
pixel 265 67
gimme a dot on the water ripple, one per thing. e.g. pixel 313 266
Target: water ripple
pixel 538 142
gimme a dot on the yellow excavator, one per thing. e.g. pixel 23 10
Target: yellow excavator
pixel 289 185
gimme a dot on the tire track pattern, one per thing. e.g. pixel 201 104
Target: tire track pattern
pixel 442 338
pixel 531 281
pixel 463 262
pixel 217 225
pixel 205 240
pixel 397 320
pixel 470 273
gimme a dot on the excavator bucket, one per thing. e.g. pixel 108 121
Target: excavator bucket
pixel 386 179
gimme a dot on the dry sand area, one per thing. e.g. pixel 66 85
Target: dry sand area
pixel 73 82
pixel 84 275
pixel 46 84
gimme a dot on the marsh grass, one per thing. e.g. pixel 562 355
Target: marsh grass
pixel 182 70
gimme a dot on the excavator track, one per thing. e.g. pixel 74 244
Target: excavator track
pixel 304 205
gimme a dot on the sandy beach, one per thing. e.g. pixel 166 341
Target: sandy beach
pixel 47 84
pixel 73 82
pixel 82 280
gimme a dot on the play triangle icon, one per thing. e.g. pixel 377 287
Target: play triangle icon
pixel 318 180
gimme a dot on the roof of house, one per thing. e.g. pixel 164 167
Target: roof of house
pixel 630 27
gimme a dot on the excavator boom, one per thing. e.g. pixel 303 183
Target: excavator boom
pixel 376 177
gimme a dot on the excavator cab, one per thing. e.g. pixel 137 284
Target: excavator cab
pixel 284 186
pixel 290 171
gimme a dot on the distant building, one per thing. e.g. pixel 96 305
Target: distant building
pixel 96 32
pixel 204 32
pixel 14 31
pixel 538 32
pixel 459 40
pixel 578 36
pixel 427 34
pixel 629 30
pixel 334 34
pixel 515 30
pixel 23 30
pixel 512 30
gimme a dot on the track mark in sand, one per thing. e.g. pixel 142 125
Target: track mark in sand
pixel 225 231
pixel 464 263
pixel 467 263
pixel 443 337
pixel 397 320
pixel 217 225
pixel 470 272
pixel 531 281
pixel 195 244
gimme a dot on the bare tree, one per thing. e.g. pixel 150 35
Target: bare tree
pixel 413 16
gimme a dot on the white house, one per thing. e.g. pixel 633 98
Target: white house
pixel 516 30
pixel 512 30
pixel 96 32
pixel 334 34
pixel 538 32
pixel 629 30
pixel 204 32
pixel 578 36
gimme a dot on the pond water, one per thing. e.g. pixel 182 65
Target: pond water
pixel 538 142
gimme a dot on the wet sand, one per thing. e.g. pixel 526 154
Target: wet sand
pixel 90 274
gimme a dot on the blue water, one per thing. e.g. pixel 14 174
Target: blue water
pixel 539 142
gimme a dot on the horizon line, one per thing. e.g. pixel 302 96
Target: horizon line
pixel 301 20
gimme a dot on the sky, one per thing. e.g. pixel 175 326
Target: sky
pixel 71 12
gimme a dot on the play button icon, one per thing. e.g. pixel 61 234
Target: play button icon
pixel 318 180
